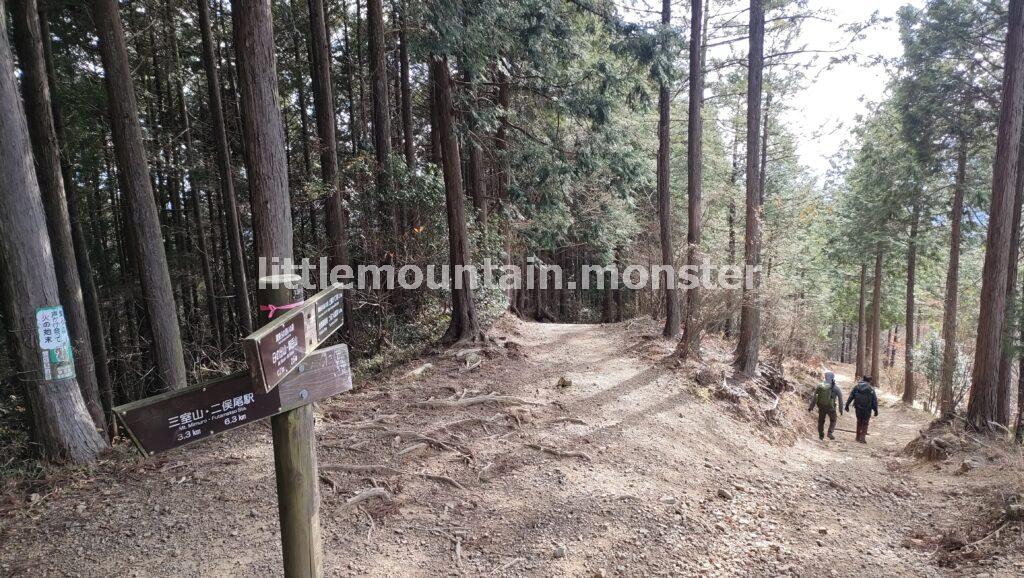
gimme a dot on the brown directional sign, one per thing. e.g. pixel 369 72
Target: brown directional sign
pixel 277 348
pixel 173 419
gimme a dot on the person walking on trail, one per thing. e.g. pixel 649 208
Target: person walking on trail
pixel 865 401
pixel 827 398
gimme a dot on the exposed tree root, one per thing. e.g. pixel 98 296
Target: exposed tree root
pixel 413 449
pixel 382 470
pixel 477 400
pixel 366 494
pixel 442 479
pixel 567 419
pixel 559 453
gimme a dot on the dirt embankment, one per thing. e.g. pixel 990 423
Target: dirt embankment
pixel 566 450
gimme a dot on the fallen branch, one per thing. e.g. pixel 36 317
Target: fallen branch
pixel 559 453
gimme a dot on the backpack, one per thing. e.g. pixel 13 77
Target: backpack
pixel 823 396
pixel 862 396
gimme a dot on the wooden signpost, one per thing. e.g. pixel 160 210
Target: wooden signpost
pixel 176 418
pixel 286 374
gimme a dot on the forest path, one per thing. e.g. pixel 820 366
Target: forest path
pixel 648 477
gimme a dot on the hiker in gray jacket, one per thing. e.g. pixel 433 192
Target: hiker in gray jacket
pixel 827 398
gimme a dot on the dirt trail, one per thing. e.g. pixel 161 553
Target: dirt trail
pixel 627 471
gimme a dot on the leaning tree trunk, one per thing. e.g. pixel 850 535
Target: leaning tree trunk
pixel 750 313
pixel 464 324
pixel 949 309
pixel 130 150
pixel 909 386
pixel 692 329
pixel 61 422
pixel 326 128
pixel 35 87
pixel 876 318
pixel 665 195
pixel 983 403
pixel 1004 394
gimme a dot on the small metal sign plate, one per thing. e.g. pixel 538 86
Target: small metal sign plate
pixel 276 349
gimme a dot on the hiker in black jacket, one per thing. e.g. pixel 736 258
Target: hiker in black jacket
pixel 865 402
pixel 827 397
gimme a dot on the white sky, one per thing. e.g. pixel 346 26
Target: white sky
pixel 824 112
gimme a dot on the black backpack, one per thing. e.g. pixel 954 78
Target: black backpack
pixel 862 397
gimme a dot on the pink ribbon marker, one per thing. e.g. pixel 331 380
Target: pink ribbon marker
pixel 271 309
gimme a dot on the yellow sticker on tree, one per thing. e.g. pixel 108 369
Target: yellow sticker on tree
pixel 57 356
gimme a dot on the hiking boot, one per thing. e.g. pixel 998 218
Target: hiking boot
pixel 831 437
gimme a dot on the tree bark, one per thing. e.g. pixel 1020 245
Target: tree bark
pixel 464 324
pixel 193 202
pixel 1004 394
pixel 326 127
pixel 750 313
pixel 665 196
pixel 862 323
pixel 243 310
pixel 131 155
pixel 475 167
pixel 408 138
pixel 28 42
pixel 909 386
pixel 81 245
pixel 1018 430
pixel 294 440
pixel 951 304
pixel 983 403
pixel 61 421
pixel 876 317
pixel 381 112
pixel 692 329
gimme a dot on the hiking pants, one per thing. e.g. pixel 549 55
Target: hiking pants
pixel 822 414
pixel 863 418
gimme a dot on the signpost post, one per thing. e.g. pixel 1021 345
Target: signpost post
pixel 286 375
pixel 295 466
